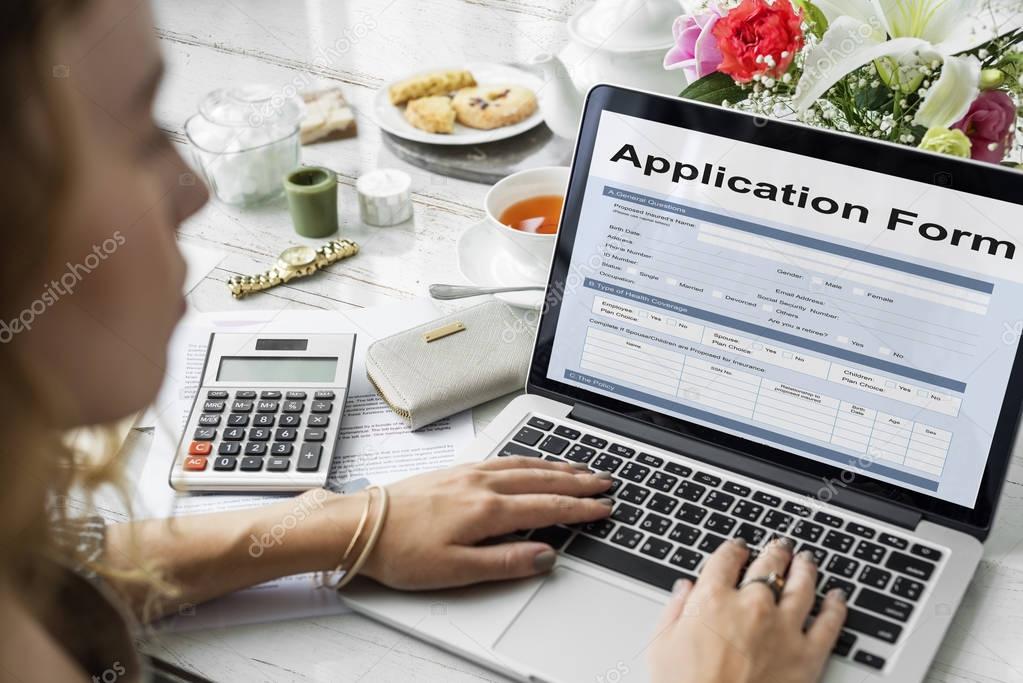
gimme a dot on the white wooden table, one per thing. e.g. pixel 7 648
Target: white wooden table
pixel 359 45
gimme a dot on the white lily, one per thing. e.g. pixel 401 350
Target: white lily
pixel 912 32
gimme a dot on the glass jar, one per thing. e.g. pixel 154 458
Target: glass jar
pixel 245 140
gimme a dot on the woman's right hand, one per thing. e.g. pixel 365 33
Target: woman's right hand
pixel 435 531
pixel 713 632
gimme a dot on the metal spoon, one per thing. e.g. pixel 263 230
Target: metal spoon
pixel 446 292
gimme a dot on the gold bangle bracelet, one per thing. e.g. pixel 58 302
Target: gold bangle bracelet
pixel 371 543
pixel 325 582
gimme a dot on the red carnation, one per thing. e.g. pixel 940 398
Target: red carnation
pixel 755 29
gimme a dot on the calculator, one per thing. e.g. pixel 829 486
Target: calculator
pixel 267 415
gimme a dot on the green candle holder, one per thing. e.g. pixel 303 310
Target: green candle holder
pixel 312 200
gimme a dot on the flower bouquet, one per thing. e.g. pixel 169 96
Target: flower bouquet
pixel 942 75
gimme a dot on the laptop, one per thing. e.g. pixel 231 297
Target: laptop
pixel 760 329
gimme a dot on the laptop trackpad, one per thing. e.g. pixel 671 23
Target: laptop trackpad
pixel 578 628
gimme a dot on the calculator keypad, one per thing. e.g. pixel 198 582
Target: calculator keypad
pixel 266 431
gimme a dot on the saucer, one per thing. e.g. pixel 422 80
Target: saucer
pixel 486 263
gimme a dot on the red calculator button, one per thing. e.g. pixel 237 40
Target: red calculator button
pixel 195 463
pixel 200 448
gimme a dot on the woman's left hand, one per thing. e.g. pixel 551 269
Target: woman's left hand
pixel 437 521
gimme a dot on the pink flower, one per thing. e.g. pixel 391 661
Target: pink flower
pixel 990 124
pixel 696 49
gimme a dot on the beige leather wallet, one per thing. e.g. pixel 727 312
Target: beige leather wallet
pixel 451 364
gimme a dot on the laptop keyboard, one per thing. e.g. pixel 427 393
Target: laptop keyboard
pixel 668 517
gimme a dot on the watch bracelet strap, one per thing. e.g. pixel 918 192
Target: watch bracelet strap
pixel 330 253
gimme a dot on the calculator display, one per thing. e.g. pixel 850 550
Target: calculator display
pixel 272 369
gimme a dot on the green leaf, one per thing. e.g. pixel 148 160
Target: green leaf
pixel 715 88
pixel 814 16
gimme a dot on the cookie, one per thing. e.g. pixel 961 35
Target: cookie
pixel 436 83
pixel 328 117
pixel 432 114
pixel 494 106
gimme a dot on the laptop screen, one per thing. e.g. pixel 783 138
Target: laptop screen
pixel 847 316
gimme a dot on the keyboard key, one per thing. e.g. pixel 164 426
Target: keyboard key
pixel 875 627
pixel 209 420
pixel 578 453
pixel 275 395
pixel 568 432
pixel 251 464
pixel 626 563
pixel 655 547
pixel 253 448
pixel 528 436
pixel 541 423
pixel 285 435
pixel 213 407
pixel 925 552
pixel 309 457
pixel 259 434
pixel 277 464
pixel 216 395
pixel 736 489
pixel 716 500
pixel 894 541
pixel 720 524
pixel 633 493
pixel 819 554
pixel 677 469
pixel 290 421
pixel 594 441
pixel 684 534
pixel 319 420
pixel 315 435
pixel 634 472
pixel 686 559
pixel 690 513
pixel 241 407
pixel 907 588
pixel 710 543
pixel 748 511
pixel 234 434
pixel 873 661
pixel 845 644
pixel 267 406
pixel 554 444
pixel 261 420
pixel 708 479
pixel 834 582
pixel 753 534
pixel 807 531
pixel 324 396
pixel 194 463
pixel 869 552
pixel 510 449
pixel 828 520
pixel 628 538
pixel 662 482
pixel 767 499
pixel 246 394
pixel 606 463
pixel 778 521
pixel 204 434
pixel 321 407
pixel 874 577
pixel 885 605
pixel 843 566
pixel 860 530
pixel 651 460
pixel 599 529
pixel 281 449
pixel 796 509
pixel 663 504
pixel 623 451
pixel 837 541
pixel 242 420
pixel 229 448
pixel 554 536
pixel 626 514
pixel 225 464
pixel 690 491
pixel 295 396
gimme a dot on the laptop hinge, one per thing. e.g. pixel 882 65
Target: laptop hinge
pixel 816 490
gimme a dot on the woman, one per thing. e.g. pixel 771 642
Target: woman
pixel 92 195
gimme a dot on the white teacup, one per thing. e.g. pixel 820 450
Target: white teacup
pixel 532 252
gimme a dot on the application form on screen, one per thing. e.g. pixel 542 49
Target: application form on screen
pixel 850 317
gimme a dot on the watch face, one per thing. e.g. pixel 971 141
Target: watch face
pixel 296 257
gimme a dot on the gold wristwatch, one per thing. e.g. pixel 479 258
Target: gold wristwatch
pixel 294 263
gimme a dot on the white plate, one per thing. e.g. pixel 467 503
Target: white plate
pixel 485 263
pixel 392 119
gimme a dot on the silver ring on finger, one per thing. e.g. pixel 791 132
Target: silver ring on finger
pixel 774 581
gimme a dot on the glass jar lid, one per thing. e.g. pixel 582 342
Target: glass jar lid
pixel 252 106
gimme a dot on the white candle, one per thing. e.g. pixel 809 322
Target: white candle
pixel 385 197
